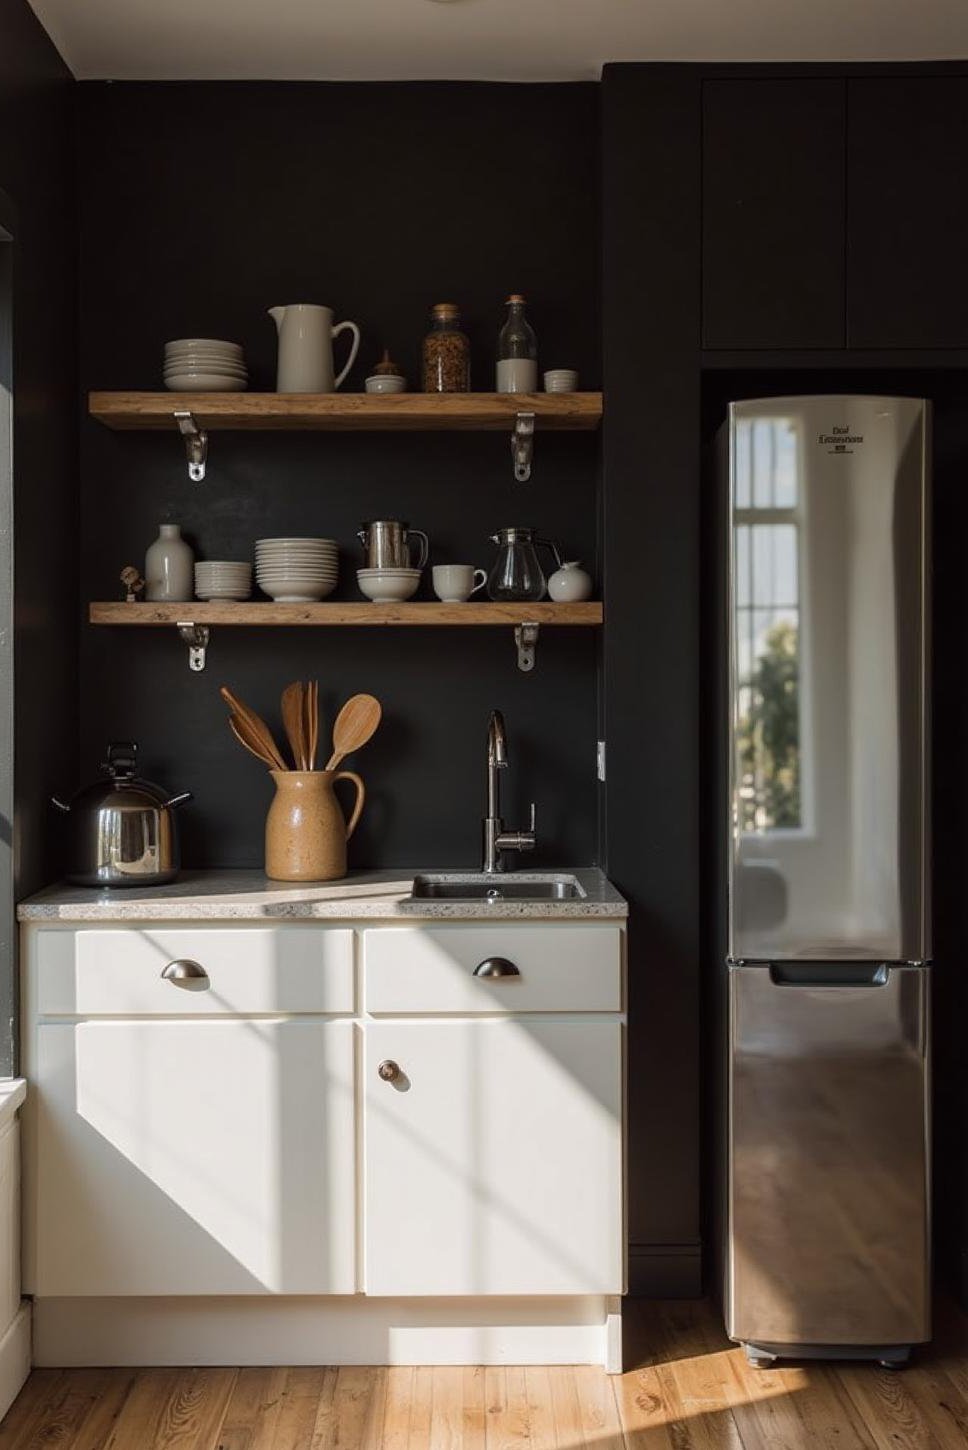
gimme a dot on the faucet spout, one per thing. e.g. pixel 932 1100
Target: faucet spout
pixel 496 839
pixel 497 741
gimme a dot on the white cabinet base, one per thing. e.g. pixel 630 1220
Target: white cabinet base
pixel 286 1331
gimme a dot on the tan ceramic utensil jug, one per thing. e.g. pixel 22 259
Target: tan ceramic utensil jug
pixel 306 831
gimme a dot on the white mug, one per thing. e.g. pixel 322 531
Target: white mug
pixel 455 583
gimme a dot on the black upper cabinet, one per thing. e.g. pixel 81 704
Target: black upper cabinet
pixel 907 212
pixel 773 213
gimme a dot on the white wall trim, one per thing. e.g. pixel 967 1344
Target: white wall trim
pixel 291 1331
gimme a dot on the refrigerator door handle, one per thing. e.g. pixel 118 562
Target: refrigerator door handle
pixel 822 974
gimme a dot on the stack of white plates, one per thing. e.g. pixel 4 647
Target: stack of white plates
pixel 204 365
pixel 296 571
pixel 223 579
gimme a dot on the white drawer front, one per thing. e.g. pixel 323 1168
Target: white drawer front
pixel 254 970
pixel 411 969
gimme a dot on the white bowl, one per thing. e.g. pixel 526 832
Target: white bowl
pixel 204 383
pixel 204 365
pixel 385 383
pixel 294 551
pixel 222 373
pixel 225 596
pixel 293 592
pixel 388 585
pixel 296 539
pixel 303 576
pixel 202 344
pixel 230 354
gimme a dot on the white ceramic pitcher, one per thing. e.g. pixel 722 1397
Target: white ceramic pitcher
pixel 306 335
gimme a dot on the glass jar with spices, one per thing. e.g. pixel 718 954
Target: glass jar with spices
pixel 446 353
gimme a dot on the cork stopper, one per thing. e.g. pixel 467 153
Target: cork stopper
pixel 446 309
pixel 516 297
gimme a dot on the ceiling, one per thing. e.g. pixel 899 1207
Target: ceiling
pixel 511 40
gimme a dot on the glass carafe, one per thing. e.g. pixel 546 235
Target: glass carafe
pixel 516 573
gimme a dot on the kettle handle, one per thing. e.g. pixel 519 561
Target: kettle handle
pixel 179 800
pixel 61 806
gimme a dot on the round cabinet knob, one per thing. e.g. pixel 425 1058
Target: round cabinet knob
pixel 389 1070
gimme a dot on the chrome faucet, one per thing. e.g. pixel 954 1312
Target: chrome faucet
pixel 496 839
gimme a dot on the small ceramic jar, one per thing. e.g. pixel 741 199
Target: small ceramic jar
pixel 570 584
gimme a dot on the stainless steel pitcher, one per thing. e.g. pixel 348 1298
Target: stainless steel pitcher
pixel 386 544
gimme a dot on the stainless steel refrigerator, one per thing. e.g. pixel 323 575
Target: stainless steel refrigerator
pixel 827 1190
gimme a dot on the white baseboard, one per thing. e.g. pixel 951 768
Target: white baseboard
pixel 14 1358
pixel 300 1331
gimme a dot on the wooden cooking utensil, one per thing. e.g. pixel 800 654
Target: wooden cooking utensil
pixel 294 721
pixel 239 729
pixel 312 722
pixel 354 725
pixel 258 730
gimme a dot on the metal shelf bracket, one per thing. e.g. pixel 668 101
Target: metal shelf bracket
pixel 196 636
pixel 196 444
pixel 526 638
pixel 522 446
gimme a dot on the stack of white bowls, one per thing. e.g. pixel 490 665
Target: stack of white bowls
pixel 223 579
pixel 296 571
pixel 204 365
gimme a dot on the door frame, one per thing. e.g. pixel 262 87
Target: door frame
pixel 8 924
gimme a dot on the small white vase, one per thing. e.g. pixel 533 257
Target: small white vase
pixel 570 584
pixel 169 567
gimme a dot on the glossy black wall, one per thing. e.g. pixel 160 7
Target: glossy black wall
pixel 36 177
pixel 201 206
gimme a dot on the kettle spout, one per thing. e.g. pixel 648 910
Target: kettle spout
pixel 278 315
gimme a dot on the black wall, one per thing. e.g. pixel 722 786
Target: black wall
pixel 202 205
pixel 36 177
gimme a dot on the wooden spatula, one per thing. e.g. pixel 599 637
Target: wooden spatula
pixel 294 721
pixel 239 729
pixel 311 708
pixel 355 723
pixel 257 729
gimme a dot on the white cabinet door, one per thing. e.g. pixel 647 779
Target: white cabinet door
pixel 212 1157
pixel 493 1161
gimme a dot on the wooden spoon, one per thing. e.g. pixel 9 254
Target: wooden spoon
pixel 293 718
pixel 311 704
pixel 355 723
pixel 239 729
pixel 258 731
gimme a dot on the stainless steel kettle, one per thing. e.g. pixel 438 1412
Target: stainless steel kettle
pixel 123 830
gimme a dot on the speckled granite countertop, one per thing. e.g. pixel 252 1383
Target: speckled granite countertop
pixel 241 895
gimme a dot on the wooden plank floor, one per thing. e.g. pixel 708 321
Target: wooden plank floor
pixel 689 1390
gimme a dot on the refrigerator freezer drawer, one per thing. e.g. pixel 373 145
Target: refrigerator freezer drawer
pixel 828 1161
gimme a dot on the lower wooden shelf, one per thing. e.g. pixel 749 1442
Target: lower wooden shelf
pixel 265 613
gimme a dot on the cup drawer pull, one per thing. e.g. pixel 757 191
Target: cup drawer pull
pixel 185 973
pixel 494 967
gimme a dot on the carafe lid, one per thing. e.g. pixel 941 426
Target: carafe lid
pixel 514 535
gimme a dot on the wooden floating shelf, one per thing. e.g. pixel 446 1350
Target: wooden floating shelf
pixel 348 412
pixel 267 614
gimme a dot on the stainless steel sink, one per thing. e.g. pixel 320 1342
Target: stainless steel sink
pixel 519 886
